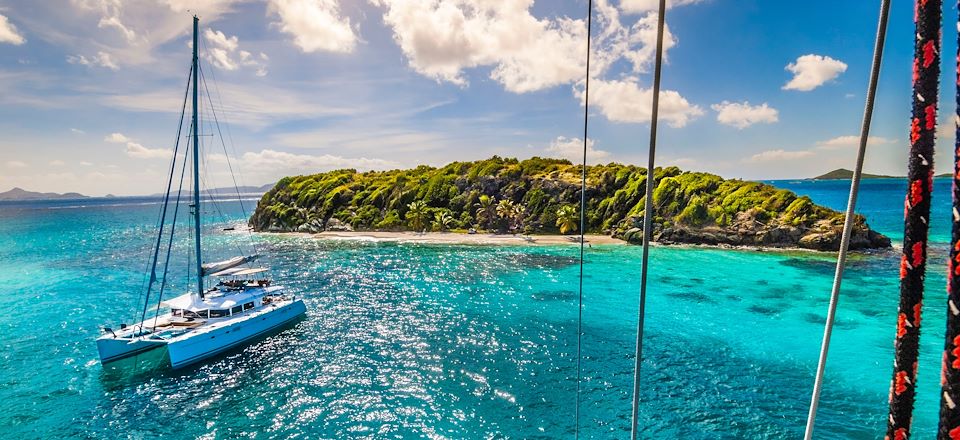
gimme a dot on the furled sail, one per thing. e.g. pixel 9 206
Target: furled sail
pixel 210 268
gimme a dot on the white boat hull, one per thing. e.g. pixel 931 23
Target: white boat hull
pixel 218 339
pixel 116 349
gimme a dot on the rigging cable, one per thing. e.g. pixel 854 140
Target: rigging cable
pixel 166 202
pixel 926 75
pixel 173 227
pixel 849 218
pixel 949 425
pixel 583 210
pixel 647 218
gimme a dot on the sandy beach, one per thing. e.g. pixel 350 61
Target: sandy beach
pixel 461 238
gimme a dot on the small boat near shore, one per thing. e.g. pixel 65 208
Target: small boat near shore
pixel 240 307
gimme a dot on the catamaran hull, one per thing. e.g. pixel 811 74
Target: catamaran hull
pixel 115 349
pixel 216 341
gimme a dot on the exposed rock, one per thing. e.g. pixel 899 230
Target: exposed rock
pixel 334 224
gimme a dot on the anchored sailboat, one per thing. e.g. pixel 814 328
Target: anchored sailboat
pixel 240 307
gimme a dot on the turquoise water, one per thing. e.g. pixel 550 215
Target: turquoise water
pixel 410 341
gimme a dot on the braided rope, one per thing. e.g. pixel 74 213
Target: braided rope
pixel 949 427
pixel 926 72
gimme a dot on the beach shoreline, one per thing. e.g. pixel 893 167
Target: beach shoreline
pixel 462 238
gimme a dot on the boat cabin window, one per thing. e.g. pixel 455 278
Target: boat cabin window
pixel 248 305
pixel 176 312
pixel 236 310
pixel 218 313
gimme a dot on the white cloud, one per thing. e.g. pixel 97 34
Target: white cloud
pixel 9 32
pixel 77 131
pixel 811 71
pixel 117 138
pixel 314 24
pixel 271 164
pixel 57 163
pixel 113 21
pixel 101 59
pixel 625 101
pixel 572 150
pixel 140 152
pixel 443 38
pixel 85 163
pixel 206 9
pixel 779 155
pixel 16 164
pixel 947 128
pixel 224 52
pixel 743 115
pixel 634 6
pixel 852 141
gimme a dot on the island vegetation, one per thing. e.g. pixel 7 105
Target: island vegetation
pixel 542 196
pixel 845 174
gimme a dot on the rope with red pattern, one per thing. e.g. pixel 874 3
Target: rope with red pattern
pixel 949 427
pixel 926 72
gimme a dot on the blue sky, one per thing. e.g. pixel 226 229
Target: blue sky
pixel 90 89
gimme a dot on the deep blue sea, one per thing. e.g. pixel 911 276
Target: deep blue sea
pixel 441 341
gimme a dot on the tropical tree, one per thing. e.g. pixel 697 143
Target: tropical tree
pixel 567 219
pixel 486 211
pixel 510 214
pixel 442 221
pixel 417 215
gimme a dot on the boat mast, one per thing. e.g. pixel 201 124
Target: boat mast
pixel 196 160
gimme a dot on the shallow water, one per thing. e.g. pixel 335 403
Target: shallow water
pixel 413 340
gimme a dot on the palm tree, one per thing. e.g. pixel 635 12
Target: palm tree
pixel 417 215
pixel 511 213
pixel 442 221
pixel 567 219
pixel 485 210
pixel 518 215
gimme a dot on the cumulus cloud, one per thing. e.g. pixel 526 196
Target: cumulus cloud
pixel 117 138
pixel 743 115
pixel 9 32
pixel 633 6
pixel 16 164
pixel 277 163
pixel 316 25
pixel 812 71
pixel 101 59
pixel 57 163
pixel 137 150
pixel 572 150
pixel 625 101
pixel 441 39
pixel 140 152
pixel 778 155
pixel 224 52
pixel 852 141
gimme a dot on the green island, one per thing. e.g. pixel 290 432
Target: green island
pixel 542 196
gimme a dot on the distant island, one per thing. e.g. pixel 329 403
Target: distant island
pixel 845 174
pixel 542 196
pixel 224 191
pixel 22 194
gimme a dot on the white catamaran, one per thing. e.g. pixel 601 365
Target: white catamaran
pixel 242 306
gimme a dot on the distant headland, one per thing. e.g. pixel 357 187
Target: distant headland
pixel 541 196
pixel 22 194
pixel 845 174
